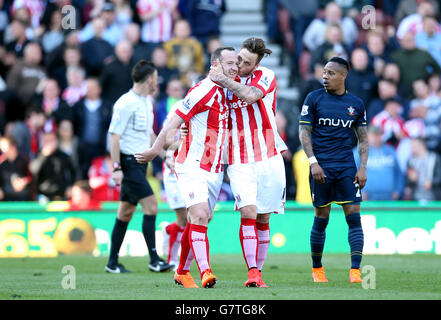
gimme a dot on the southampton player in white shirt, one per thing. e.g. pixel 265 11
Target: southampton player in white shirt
pixel 198 165
pixel 256 168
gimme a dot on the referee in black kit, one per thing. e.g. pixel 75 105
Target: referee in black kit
pixel 131 131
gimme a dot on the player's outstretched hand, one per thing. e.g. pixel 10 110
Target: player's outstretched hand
pixel 146 156
pixel 361 178
pixel 216 72
pixel 318 174
pixel 183 131
pixel 170 163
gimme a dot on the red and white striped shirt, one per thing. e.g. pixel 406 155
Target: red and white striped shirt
pixel 35 8
pixel 160 28
pixel 253 133
pixel 390 125
pixel 74 94
pixel 205 111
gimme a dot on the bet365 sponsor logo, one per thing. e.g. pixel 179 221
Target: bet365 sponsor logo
pixel 408 241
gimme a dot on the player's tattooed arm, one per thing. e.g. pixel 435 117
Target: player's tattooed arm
pixel 363 152
pixel 363 145
pixel 305 139
pixel 246 93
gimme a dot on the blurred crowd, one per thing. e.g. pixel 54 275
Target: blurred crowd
pixel 63 63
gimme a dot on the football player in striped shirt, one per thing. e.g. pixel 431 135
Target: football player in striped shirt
pixel 256 168
pixel 328 120
pixel 199 163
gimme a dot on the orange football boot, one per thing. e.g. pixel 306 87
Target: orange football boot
pixel 208 279
pixel 318 275
pixel 253 278
pixel 355 276
pixel 185 280
pixel 261 284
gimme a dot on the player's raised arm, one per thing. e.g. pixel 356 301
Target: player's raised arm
pixel 363 152
pixel 249 94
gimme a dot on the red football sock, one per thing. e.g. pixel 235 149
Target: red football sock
pixel 186 254
pixel 172 229
pixel 200 247
pixel 249 241
pixel 263 234
pixel 174 251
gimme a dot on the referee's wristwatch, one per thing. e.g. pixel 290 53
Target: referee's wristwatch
pixel 116 166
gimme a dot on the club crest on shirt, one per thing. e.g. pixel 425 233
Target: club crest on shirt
pixel 304 110
pixel 186 103
pixel 264 80
pixel 351 111
pixel 191 195
pixel 238 199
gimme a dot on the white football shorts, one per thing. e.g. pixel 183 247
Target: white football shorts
pixel 198 185
pixel 262 184
pixel 171 188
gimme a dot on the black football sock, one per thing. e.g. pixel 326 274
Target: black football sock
pixel 317 239
pixel 355 239
pixel 118 233
pixel 149 229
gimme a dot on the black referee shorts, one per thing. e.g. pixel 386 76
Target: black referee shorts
pixel 134 185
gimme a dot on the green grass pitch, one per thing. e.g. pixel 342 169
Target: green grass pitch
pixel 397 277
